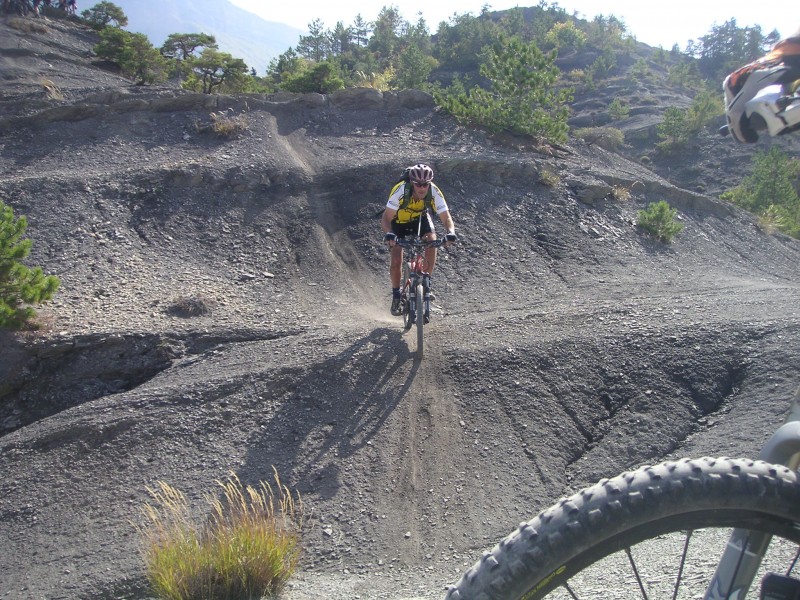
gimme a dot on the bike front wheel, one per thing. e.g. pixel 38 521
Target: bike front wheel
pixel 613 539
pixel 420 296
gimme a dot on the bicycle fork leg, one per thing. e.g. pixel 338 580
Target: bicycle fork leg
pixel 742 556
pixel 426 287
pixel 738 566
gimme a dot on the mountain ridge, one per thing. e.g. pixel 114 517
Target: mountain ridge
pixel 238 32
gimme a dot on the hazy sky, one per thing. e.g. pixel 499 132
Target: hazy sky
pixel 661 23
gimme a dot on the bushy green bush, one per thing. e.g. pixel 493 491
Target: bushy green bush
pixel 706 106
pixel 103 14
pixel 618 110
pixel 769 191
pixel 565 36
pixel 133 52
pixel 659 220
pixel 322 78
pixel 20 286
pixel 673 130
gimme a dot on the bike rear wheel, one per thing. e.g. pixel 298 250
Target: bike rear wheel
pixel 586 545
pixel 420 296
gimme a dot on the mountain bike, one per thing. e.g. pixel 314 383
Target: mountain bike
pixel 415 295
pixel 616 538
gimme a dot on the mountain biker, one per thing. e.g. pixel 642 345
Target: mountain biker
pixel 405 214
pixel 779 66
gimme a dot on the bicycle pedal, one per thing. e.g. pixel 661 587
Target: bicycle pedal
pixel 779 587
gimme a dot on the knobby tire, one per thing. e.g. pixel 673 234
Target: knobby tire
pixel 543 554
pixel 406 297
pixel 420 295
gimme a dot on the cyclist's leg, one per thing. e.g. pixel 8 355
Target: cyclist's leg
pixel 428 233
pixel 395 266
pixel 395 269
pixel 401 230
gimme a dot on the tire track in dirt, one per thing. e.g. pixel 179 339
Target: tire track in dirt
pixel 428 427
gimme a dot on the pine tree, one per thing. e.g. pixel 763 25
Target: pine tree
pixel 20 286
pixel 522 97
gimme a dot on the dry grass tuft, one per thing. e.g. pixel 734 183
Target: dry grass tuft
pixel 608 138
pixel 190 306
pixel 549 178
pixel 621 193
pixel 224 124
pixel 27 25
pixel 51 90
pixel 247 548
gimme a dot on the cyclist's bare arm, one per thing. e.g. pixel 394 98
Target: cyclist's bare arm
pixel 386 220
pixel 447 221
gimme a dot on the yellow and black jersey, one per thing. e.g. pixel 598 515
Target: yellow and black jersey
pixel 411 208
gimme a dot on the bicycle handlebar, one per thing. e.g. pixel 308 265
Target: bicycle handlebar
pixel 416 243
pixel 419 243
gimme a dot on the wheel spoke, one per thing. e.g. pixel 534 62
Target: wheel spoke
pixel 683 563
pixel 793 563
pixel 636 572
pixel 569 589
pixel 732 580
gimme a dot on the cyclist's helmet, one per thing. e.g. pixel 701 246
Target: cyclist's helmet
pixel 420 173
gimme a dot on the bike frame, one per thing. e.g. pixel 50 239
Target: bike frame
pixel 745 549
pixel 416 272
pixel 416 290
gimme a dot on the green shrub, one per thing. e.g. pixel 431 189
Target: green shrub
pixel 522 97
pixel 549 178
pixel 769 191
pixel 565 36
pixel 20 286
pixel 641 70
pixel 673 130
pixel 659 220
pixel 320 78
pixel 706 107
pixel 133 52
pixel 618 110
pixel 247 548
pixel 685 75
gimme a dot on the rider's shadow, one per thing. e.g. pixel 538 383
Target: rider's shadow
pixel 328 414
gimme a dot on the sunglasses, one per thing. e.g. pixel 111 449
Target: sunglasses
pixel 421 183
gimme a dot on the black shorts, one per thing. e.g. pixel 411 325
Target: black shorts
pixel 422 225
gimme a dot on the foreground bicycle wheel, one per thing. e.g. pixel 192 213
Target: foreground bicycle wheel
pixel 587 545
